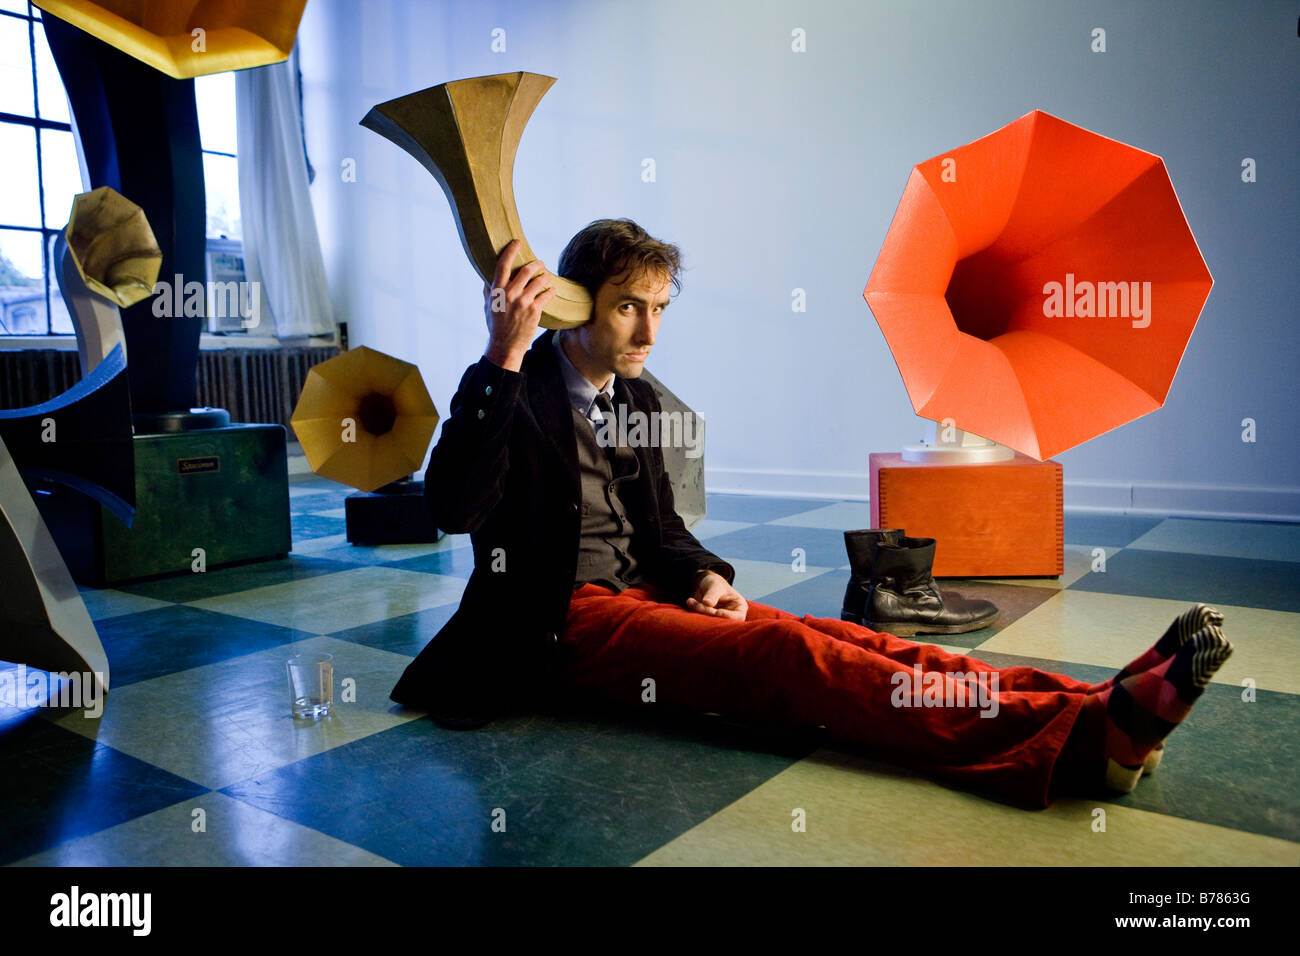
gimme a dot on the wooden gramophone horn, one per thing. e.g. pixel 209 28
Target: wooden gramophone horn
pixel 466 133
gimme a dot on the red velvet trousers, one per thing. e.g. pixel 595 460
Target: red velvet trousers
pixel 864 687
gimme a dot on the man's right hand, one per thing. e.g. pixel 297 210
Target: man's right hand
pixel 513 306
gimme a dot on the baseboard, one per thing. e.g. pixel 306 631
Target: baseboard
pixel 1242 502
pixel 784 484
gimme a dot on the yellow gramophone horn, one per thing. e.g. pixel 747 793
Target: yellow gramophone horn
pixel 364 418
pixel 189 38
pixel 466 133
pixel 112 246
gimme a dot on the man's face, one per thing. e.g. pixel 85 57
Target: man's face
pixel 624 323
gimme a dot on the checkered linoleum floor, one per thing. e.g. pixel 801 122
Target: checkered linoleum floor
pixel 197 719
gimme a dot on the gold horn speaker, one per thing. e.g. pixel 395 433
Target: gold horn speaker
pixel 113 246
pixel 364 418
pixel 189 38
pixel 466 133
pixel 106 257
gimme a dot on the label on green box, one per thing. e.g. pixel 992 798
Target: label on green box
pixel 196 466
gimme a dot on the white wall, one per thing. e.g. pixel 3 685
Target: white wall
pixel 778 170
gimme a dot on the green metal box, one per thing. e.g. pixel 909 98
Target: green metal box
pixel 204 498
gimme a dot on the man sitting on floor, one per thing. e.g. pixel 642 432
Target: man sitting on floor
pixel 586 580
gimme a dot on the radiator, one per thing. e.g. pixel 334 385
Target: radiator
pixel 257 385
pixel 32 376
pixel 254 385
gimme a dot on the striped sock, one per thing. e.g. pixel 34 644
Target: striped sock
pixel 1141 710
pixel 1178 634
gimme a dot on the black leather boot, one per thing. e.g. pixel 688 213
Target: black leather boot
pixel 861 546
pixel 905 601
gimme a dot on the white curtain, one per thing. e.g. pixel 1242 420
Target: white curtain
pixel 281 246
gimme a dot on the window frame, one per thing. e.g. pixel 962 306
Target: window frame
pixel 48 287
pixel 47 233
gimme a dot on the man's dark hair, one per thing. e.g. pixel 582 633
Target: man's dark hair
pixel 609 248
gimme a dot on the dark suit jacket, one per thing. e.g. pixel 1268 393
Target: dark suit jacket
pixel 505 470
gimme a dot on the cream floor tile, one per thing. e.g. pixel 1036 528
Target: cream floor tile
pixel 1110 630
pixel 312 486
pixel 317 545
pixel 1229 539
pixel 447 542
pixel 226 722
pixel 859 813
pixel 712 527
pixel 233 834
pixel 330 513
pixel 950 648
pixel 1078 562
pixel 108 603
pixel 333 602
pixel 840 516
pixel 374 554
pixel 398 552
pixel 757 579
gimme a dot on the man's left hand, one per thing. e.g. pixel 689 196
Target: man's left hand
pixel 713 595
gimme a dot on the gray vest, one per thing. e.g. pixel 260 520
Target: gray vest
pixel 603 550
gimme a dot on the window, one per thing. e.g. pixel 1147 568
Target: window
pixel 38 164
pixel 215 96
pixel 41 174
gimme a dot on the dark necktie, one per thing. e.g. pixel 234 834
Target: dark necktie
pixel 621 458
